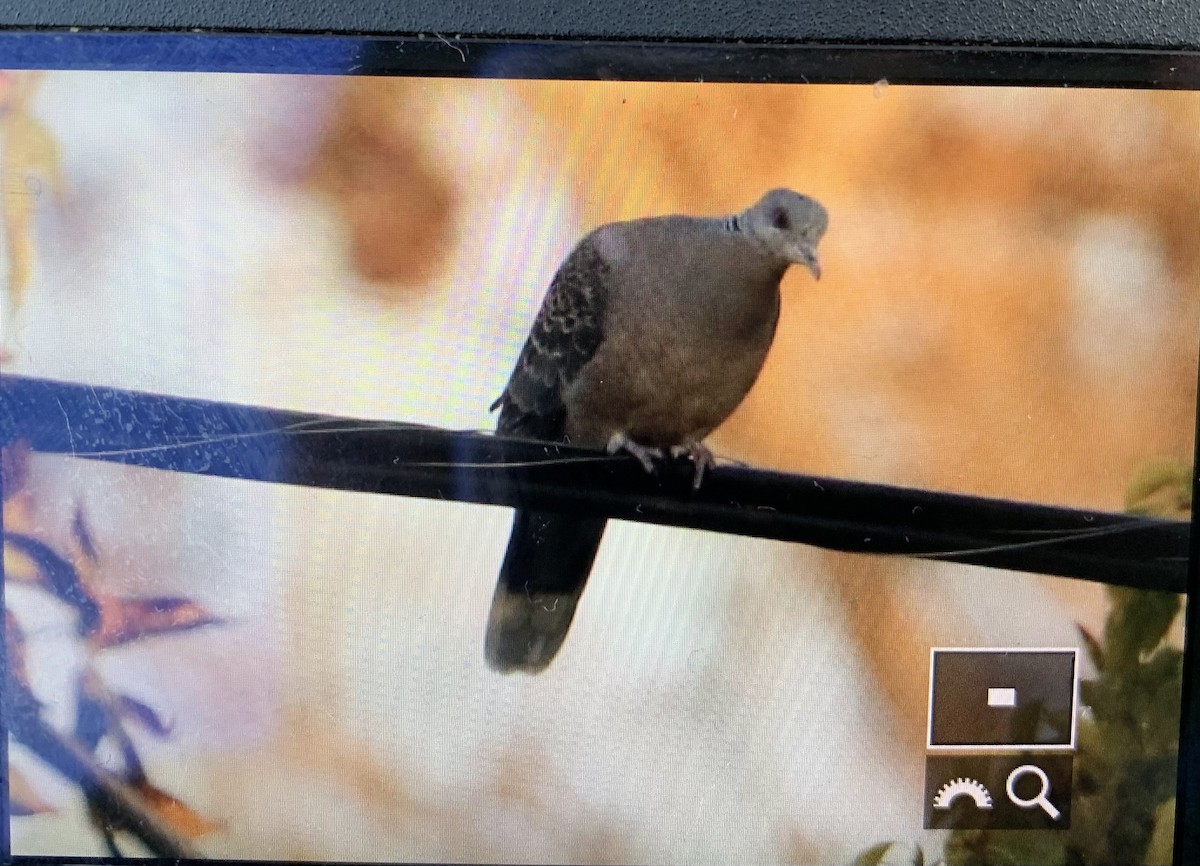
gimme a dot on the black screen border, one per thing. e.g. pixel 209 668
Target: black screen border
pixel 1166 24
pixel 441 55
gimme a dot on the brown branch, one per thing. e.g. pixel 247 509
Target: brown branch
pixel 120 805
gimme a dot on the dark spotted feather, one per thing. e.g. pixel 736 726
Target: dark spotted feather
pixel 549 555
pixel 564 337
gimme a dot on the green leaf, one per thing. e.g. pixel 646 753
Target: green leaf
pixel 1162 843
pixel 1163 488
pixel 874 855
pixel 1138 622
pixel 1095 694
pixel 1007 848
pixel 1094 650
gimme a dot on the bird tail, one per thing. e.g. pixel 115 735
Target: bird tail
pixel 544 572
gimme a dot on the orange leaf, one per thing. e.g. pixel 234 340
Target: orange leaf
pixel 31 151
pixel 14 644
pixel 181 818
pixel 22 798
pixel 8 85
pixel 19 566
pixel 30 157
pixel 123 620
pixel 18 498
pixel 14 469
pixel 19 88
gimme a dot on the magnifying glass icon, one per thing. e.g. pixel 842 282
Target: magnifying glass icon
pixel 1040 798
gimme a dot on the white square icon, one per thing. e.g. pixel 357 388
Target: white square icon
pixel 1002 697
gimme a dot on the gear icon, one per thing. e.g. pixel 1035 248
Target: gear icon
pixel 963 787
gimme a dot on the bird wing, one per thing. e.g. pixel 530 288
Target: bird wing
pixel 565 336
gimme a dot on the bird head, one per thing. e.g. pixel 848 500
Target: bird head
pixel 790 226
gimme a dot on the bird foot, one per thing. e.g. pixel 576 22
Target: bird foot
pixel 702 459
pixel 645 454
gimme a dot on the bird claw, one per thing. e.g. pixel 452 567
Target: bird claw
pixel 702 459
pixel 645 455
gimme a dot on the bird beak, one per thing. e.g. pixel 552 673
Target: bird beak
pixel 808 257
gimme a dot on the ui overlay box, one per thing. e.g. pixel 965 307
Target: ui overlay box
pixel 1001 738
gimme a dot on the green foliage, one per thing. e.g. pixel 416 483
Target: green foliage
pixel 1123 803
pixel 1128 750
pixel 886 854
pixel 1000 848
pixel 874 855
pixel 1163 488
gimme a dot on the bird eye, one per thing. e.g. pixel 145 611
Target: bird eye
pixel 781 220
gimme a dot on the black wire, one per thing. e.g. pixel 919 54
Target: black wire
pixel 260 444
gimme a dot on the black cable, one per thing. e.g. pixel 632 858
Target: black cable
pixel 253 443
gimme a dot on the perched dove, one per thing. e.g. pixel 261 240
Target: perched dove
pixel 652 332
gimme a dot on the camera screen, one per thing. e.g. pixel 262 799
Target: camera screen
pixel 926 294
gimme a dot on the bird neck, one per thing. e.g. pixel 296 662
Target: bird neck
pixel 739 225
pixel 769 265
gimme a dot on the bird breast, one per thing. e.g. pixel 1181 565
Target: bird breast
pixel 673 364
